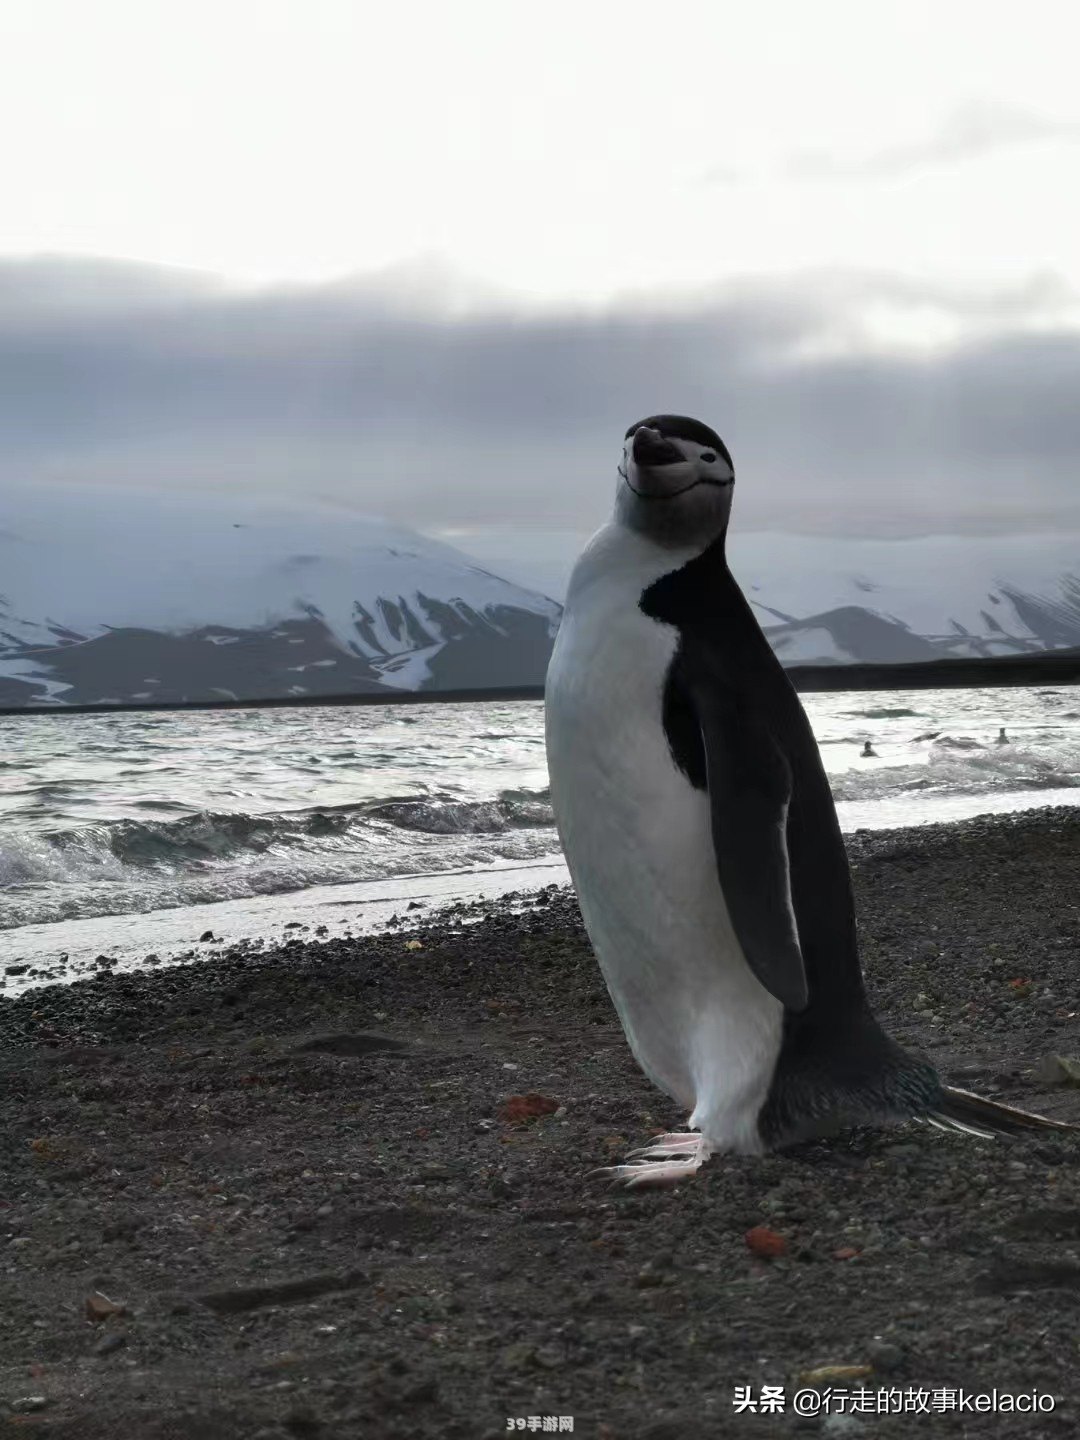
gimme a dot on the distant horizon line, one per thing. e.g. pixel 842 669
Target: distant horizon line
pixel 1061 667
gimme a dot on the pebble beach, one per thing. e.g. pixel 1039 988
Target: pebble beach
pixel 340 1186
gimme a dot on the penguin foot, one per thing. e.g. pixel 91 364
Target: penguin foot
pixel 667 1161
pixel 678 1142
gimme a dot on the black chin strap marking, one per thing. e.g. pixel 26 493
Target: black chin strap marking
pixel 673 494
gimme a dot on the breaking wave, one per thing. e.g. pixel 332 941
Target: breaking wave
pixel 514 808
pixel 136 865
pixel 104 815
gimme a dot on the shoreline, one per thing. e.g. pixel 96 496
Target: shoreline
pixel 290 1166
pixel 64 951
pixel 171 936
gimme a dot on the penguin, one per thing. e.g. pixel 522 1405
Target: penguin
pixel 701 836
pixel 1002 738
pixel 868 752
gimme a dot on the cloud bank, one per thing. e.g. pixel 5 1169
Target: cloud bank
pixel 444 416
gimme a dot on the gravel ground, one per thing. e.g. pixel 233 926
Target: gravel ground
pixel 278 1192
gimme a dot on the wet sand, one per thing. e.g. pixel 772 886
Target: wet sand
pixel 294 1171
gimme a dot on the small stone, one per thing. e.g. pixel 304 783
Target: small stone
pixel 303 1421
pixel 648 1277
pixel 1057 1070
pixel 110 1344
pixel 99 1307
pixel 423 1392
pixel 766 1244
pixel 885 1356
pixel 434 1172
pixel 125 1227
pixel 826 1374
pixel 206 935
pixel 29 1404
pixel 284 1361
pixel 517 1109
pixel 514 1357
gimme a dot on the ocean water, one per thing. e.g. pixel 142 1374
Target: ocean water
pixel 133 815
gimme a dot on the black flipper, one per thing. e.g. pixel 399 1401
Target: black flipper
pixel 960 1110
pixel 750 784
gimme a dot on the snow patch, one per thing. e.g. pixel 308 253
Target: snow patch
pixel 27 670
pixel 408 672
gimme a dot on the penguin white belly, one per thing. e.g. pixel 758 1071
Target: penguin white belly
pixel 638 843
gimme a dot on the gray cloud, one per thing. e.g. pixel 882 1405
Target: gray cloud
pixel 508 420
pixel 968 133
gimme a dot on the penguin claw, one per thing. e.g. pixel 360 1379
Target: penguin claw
pixel 659 1152
pixel 667 1161
pixel 674 1143
pixel 646 1174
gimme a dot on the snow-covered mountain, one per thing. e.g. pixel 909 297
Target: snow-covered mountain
pixel 127 596
pixel 829 601
pixel 121 595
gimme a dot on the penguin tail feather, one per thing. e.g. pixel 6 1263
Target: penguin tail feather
pixel 974 1115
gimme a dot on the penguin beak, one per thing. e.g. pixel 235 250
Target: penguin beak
pixel 651 450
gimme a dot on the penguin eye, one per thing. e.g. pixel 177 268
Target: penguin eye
pixel 708 457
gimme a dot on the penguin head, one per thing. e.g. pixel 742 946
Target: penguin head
pixel 675 481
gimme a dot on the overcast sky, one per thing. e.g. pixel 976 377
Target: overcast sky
pixel 431 260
